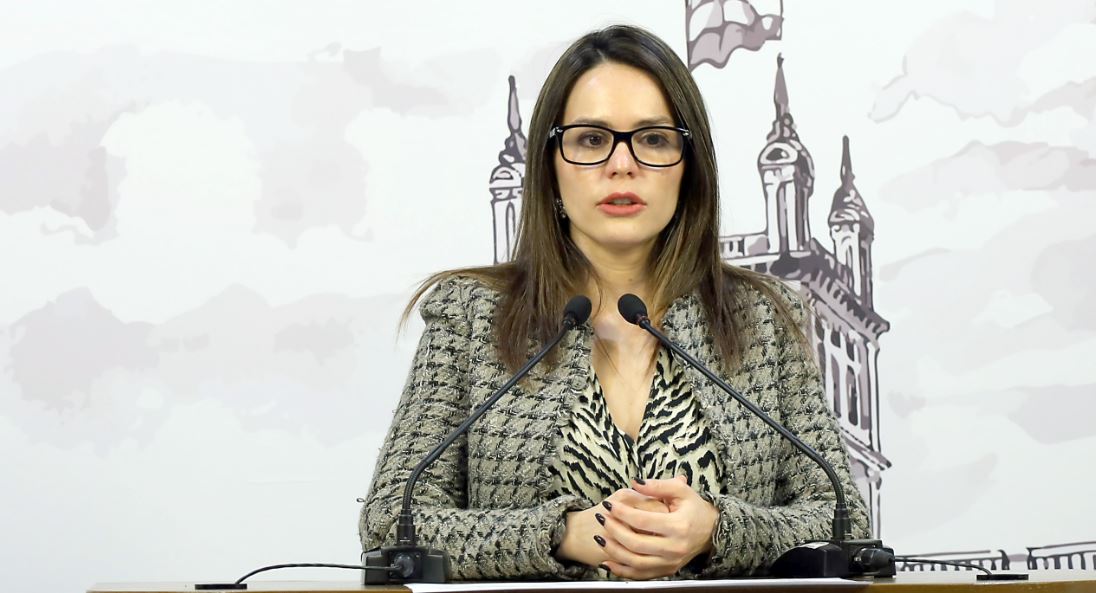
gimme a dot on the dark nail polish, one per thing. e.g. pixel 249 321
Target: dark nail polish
pixel 608 505
pixel 600 540
pixel 600 518
pixel 605 568
pixel 641 481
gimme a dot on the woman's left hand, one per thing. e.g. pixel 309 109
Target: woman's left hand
pixel 646 545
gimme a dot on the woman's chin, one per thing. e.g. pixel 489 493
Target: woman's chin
pixel 615 238
pixel 624 244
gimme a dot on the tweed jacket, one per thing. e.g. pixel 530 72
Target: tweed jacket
pixel 485 499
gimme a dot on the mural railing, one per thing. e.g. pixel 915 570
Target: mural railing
pixel 1078 555
pixel 989 559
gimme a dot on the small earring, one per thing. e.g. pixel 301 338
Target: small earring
pixel 559 209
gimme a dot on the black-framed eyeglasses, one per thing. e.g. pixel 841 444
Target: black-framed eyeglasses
pixel 654 146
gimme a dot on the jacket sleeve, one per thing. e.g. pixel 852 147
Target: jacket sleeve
pixel 749 537
pixel 482 543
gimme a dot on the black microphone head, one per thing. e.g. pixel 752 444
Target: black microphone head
pixel 632 308
pixel 577 310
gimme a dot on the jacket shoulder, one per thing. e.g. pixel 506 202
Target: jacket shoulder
pixel 458 296
pixel 764 306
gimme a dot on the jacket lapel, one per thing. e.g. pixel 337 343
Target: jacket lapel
pixel 553 391
pixel 686 325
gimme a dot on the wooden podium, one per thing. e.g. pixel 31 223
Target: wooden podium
pixel 1040 581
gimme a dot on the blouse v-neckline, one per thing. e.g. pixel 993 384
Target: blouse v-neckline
pixel 595 457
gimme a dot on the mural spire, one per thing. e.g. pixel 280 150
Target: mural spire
pixel 846 164
pixel 515 146
pixel 780 90
pixel 783 124
pixel 506 181
pixel 848 205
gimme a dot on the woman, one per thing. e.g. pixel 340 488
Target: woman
pixel 612 457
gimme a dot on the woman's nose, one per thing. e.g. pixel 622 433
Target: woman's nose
pixel 621 159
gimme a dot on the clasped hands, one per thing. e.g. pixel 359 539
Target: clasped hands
pixel 647 531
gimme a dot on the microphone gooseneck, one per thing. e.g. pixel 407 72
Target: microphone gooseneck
pixel 847 556
pixel 423 565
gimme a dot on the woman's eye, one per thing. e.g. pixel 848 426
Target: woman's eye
pixel 592 140
pixel 654 140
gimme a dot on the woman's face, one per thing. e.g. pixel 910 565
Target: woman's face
pixel 622 98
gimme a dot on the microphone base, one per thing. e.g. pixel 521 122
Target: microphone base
pixel 1003 576
pixel 416 565
pixel 836 559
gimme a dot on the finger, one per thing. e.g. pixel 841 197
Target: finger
pixel 668 548
pixel 645 504
pixel 639 542
pixel 634 574
pixel 622 555
pixel 627 495
pixel 663 489
pixel 640 520
pixel 639 501
pixel 653 505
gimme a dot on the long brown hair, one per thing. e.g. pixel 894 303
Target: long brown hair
pixel 547 267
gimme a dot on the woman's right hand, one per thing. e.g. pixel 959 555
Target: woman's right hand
pixel 582 528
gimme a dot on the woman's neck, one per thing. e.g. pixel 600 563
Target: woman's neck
pixel 616 275
pixel 615 339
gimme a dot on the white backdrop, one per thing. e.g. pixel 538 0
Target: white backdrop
pixel 212 213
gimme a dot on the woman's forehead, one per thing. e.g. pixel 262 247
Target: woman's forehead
pixel 617 96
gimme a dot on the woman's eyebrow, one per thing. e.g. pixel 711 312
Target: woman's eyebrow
pixel 650 121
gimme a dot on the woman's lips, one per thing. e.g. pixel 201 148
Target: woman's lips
pixel 620 209
pixel 621 204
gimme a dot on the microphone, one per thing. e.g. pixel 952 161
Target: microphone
pixel 407 561
pixel 842 556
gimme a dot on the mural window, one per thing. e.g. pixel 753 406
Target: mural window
pixel 511 227
pixel 854 396
pixel 835 381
